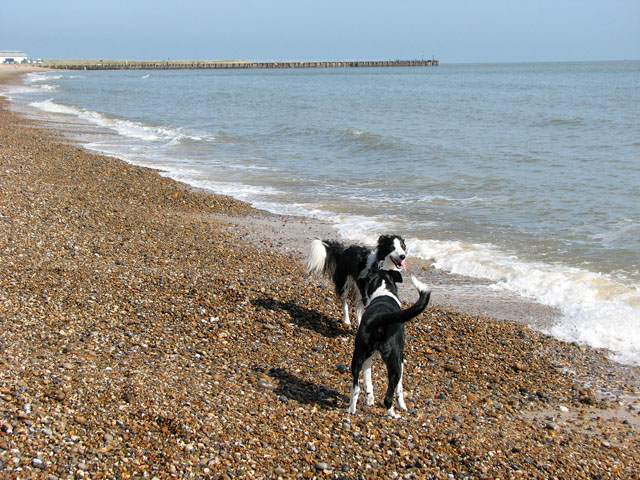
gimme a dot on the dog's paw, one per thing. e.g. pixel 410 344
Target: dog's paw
pixel 401 405
pixel 392 413
pixel 369 399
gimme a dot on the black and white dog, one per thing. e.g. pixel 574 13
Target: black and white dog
pixel 381 332
pixel 344 265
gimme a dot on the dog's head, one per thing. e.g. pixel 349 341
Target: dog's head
pixel 391 253
pixel 379 282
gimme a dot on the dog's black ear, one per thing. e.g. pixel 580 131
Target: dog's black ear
pixel 396 275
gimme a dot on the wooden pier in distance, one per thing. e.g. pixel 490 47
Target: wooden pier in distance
pixel 225 64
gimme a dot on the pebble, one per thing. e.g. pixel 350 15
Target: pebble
pixel 80 419
pixel 453 368
pixel 266 384
pixel 519 367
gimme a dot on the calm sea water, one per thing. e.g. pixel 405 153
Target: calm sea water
pixel 524 174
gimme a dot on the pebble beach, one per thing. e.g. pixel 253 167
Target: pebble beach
pixel 150 330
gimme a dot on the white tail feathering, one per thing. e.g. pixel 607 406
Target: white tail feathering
pixel 317 257
pixel 422 287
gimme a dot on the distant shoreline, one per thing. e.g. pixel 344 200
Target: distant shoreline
pixel 6 69
pixel 227 64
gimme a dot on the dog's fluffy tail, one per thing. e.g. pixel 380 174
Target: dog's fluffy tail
pixel 317 257
pixel 404 316
pixel 323 257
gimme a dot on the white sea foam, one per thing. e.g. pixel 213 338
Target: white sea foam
pixel 45 87
pixel 52 107
pixel 446 200
pixel 354 132
pixel 41 77
pixel 598 310
pixel 126 128
pixel 249 167
pixel 248 193
pixel 9 90
pixel 360 229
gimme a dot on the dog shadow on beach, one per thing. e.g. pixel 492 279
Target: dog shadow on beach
pixel 292 387
pixel 305 317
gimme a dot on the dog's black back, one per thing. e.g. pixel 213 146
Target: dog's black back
pixel 375 332
pixel 345 262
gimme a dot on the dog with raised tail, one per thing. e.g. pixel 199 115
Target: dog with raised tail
pixel 381 333
pixel 345 265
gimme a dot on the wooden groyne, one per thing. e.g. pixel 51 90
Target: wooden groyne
pixel 243 64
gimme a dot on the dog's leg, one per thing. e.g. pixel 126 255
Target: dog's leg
pixel 394 373
pixel 343 288
pixel 355 392
pixel 356 366
pixel 359 307
pixel 368 384
pixel 400 392
pixel 359 304
pixel 345 311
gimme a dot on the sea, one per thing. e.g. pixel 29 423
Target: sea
pixel 524 176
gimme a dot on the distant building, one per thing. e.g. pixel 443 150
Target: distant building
pixel 12 56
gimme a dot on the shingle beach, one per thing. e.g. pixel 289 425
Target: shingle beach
pixel 149 330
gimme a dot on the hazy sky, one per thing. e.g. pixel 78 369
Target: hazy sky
pixel 454 31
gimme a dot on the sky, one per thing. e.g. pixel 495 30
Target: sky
pixel 453 31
